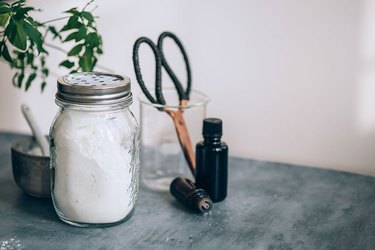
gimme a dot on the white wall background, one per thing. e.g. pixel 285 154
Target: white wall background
pixel 293 81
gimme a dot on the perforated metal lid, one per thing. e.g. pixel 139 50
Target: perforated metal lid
pixel 94 88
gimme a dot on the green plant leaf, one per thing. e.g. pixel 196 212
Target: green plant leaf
pixel 72 11
pixel 81 33
pixel 4 4
pixel 30 58
pixel 67 64
pixel 45 72
pixel 34 36
pixel 9 28
pixel 85 62
pixel 73 20
pixel 32 21
pixel 18 3
pixel 94 63
pixel 44 51
pixel 43 60
pixel 75 50
pixel 65 28
pixel 21 12
pixel 4 10
pixel 93 39
pixel 30 79
pixel 73 23
pixel 43 85
pixel 4 19
pixel 6 55
pixel 20 80
pixel 20 38
pixel 71 36
pixel 87 15
pixel 17 36
pixel 21 55
pixel 54 32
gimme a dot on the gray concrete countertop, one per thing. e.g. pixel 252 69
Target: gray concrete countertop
pixel 269 206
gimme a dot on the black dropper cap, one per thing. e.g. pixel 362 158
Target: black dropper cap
pixel 212 127
pixel 185 191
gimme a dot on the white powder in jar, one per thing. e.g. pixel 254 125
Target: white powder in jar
pixel 95 177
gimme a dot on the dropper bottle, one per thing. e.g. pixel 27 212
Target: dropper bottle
pixel 196 199
pixel 212 161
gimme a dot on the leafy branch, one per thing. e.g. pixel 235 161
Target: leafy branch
pixel 23 46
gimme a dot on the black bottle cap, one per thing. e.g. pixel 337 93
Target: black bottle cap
pixel 212 127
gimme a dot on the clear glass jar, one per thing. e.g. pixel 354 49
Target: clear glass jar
pixel 162 159
pixel 94 142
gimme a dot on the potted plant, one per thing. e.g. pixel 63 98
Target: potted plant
pixel 24 48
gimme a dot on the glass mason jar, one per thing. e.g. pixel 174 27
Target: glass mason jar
pixel 94 144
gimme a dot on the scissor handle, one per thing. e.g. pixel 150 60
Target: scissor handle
pixel 158 63
pixel 182 94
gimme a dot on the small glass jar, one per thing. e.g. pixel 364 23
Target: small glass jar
pixel 162 159
pixel 94 144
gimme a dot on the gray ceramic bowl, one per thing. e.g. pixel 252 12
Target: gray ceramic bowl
pixel 31 172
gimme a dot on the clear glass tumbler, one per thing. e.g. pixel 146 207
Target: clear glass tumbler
pixel 162 158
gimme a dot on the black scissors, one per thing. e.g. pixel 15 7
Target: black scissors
pixel 183 94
